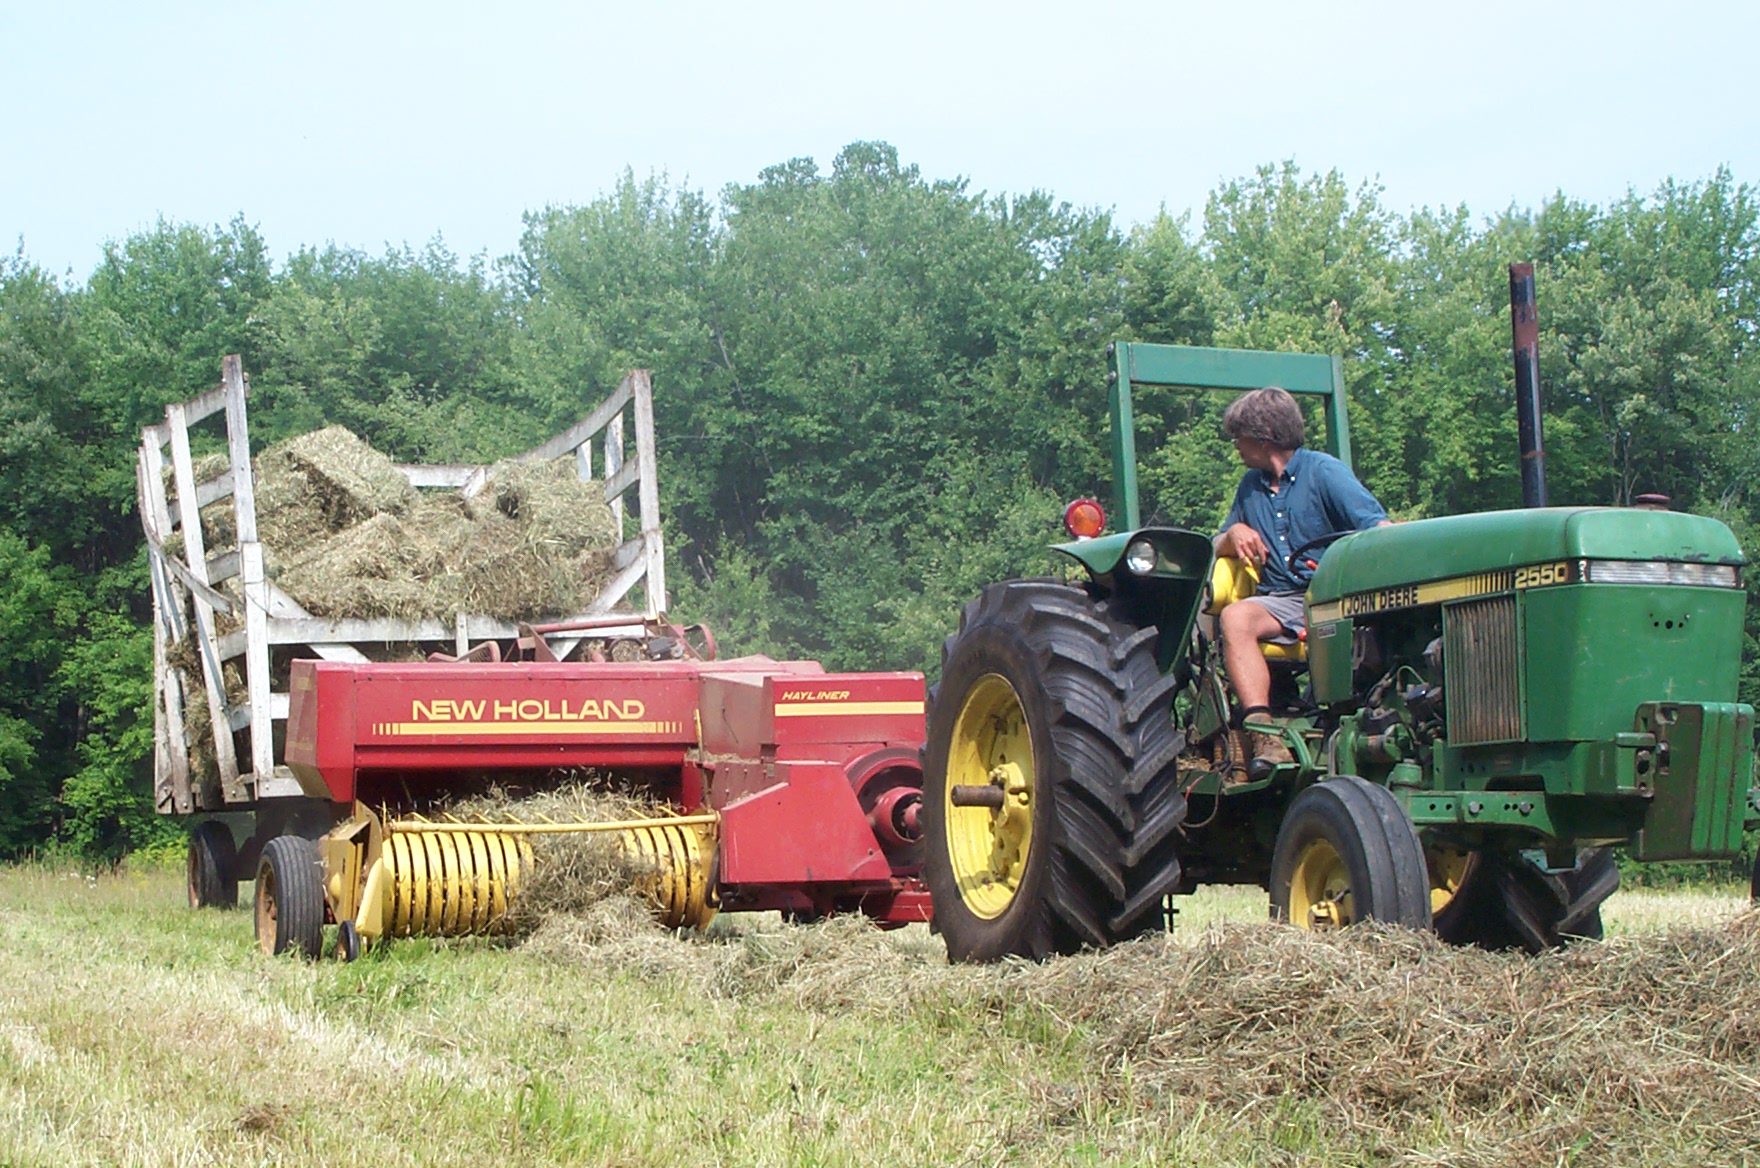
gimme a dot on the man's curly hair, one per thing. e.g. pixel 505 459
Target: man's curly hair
pixel 1268 415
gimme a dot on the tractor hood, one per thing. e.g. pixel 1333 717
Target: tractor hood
pixel 1458 545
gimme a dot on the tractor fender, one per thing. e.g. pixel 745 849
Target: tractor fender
pixel 1168 596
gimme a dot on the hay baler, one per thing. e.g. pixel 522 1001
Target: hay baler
pixel 1483 706
pixel 796 789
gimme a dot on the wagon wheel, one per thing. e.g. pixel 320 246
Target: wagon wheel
pixel 1347 852
pixel 212 871
pixel 1050 801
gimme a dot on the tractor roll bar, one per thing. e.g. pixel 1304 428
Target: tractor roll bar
pixel 1193 367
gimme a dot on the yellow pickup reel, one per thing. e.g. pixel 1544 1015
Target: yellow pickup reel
pixel 447 877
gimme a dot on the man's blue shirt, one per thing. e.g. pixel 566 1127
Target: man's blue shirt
pixel 1316 495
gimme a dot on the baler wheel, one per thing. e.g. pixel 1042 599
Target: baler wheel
pixel 1053 717
pixel 290 897
pixel 1347 852
pixel 348 942
pixel 1509 902
pixel 213 866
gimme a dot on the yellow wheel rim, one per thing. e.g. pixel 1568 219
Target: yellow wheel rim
pixel 1320 889
pixel 992 746
pixel 1449 869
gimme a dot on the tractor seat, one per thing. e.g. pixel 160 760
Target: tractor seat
pixel 1232 579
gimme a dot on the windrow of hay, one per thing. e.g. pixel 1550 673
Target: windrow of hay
pixel 1641 1049
pixel 573 873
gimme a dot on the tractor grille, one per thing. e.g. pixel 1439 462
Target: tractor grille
pixel 1480 663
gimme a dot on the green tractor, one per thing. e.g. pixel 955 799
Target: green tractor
pixel 1483 707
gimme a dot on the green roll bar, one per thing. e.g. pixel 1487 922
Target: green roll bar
pixel 1191 367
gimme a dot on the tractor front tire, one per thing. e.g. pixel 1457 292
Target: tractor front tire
pixel 1509 902
pixel 1347 852
pixel 213 866
pixel 290 897
pixel 1052 709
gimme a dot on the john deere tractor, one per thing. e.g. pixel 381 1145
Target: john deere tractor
pixel 1484 705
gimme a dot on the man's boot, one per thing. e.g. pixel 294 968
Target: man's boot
pixel 1265 750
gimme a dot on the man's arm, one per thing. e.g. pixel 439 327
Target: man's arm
pixel 1237 538
pixel 1350 500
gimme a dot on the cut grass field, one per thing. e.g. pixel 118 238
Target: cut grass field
pixel 133 1031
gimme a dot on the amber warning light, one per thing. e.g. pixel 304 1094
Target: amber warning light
pixel 1084 519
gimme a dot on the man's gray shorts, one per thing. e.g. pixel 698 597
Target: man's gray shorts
pixel 1287 608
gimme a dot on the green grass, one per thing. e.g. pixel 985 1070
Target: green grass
pixel 134 1031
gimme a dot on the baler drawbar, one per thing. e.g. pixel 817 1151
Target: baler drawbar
pixel 795 789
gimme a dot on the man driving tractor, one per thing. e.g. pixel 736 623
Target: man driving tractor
pixel 1290 500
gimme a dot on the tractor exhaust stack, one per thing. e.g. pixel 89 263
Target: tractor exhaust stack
pixel 1524 327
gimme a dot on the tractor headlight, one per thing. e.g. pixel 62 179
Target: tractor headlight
pixel 1140 557
pixel 1663 572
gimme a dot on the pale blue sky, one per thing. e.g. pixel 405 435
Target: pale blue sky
pixel 370 124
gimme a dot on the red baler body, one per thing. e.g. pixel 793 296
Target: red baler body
pixel 802 765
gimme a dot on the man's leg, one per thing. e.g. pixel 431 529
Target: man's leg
pixel 1244 625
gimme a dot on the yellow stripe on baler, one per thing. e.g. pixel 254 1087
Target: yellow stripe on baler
pixel 841 709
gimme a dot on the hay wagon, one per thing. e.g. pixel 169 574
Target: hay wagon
pixel 219 721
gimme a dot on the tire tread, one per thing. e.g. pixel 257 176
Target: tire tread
pixel 1113 852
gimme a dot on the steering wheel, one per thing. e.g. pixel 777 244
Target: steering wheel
pixel 1298 558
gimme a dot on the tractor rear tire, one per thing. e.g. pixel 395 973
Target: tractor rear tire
pixel 290 897
pixel 1047 694
pixel 1347 852
pixel 1509 902
pixel 213 866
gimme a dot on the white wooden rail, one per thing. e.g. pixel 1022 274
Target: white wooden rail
pixel 186 599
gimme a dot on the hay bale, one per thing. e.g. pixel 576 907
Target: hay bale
pixel 346 535
pixel 437 560
pixel 320 483
pixel 307 487
pixel 552 504
pixel 380 567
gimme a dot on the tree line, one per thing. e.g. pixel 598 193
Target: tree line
pixel 874 391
